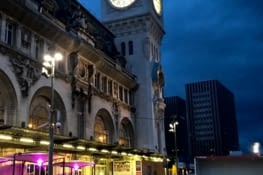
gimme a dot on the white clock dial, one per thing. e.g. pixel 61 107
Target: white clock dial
pixel 157 6
pixel 121 3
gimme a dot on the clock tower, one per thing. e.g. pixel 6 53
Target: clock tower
pixel 138 27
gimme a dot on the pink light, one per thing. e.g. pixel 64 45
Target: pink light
pixel 39 162
pixel 76 167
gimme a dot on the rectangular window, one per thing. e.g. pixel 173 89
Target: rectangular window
pixel 115 90
pixel 97 81
pixel 131 98
pixel 39 46
pixel 10 33
pixel 104 84
pixel 25 39
pixel 130 48
pixel 123 49
pixel 110 87
pixel 120 93
pixel 126 96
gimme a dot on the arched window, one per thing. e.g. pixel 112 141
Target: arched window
pixel 123 49
pixel 126 133
pixel 40 114
pixel 130 48
pixel 39 117
pixel 100 133
pixel 125 139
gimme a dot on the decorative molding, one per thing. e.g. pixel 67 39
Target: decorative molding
pixel 27 71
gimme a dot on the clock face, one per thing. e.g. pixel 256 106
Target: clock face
pixel 121 3
pixel 157 6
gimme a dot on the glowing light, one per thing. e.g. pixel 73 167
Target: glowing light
pixel 76 167
pixel 5 137
pixel 256 148
pixel 30 125
pixel 92 149
pixel 44 142
pixel 114 152
pixel 104 151
pixel 80 147
pixel 67 146
pixel 26 140
pixel 39 162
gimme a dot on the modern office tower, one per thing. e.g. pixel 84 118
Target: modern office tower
pixel 212 118
pixel 138 27
pixel 175 111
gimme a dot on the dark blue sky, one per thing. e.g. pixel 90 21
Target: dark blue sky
pixel 215 39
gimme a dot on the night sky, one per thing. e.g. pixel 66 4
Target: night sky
pixel 215 39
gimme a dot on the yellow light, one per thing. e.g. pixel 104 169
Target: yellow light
pixel 48 58
pixel 67 146
pixel 30 125
pixel 104 151
pixel 58 56
pixel 92 149
pixel 114 152
pixel 81 147
pixel 5 137
pixel 44 142
pixel 124 153
pixel 26 140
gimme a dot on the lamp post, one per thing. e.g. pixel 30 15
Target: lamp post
pixel 172 128
pixel 49 62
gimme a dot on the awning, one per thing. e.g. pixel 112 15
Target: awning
pixel 4 159
pixel 76 164
pixel 34 157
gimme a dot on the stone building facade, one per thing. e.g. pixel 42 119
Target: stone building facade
pixel 94 92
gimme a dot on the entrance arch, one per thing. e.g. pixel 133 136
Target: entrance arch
pixel 39 111
pixel 8 101
pixel 103 127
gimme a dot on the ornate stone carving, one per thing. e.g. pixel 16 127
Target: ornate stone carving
pixel 83 72
pixel 27 72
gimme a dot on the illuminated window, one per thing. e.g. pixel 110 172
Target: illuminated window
pixel 39 118
pixel 100 132
pixel 39 115
pixel 124 135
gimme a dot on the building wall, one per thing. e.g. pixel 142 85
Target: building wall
pixel 229 166
pixel 139 24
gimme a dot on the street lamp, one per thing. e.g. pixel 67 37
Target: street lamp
pixel 49 63
pixel 172 128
